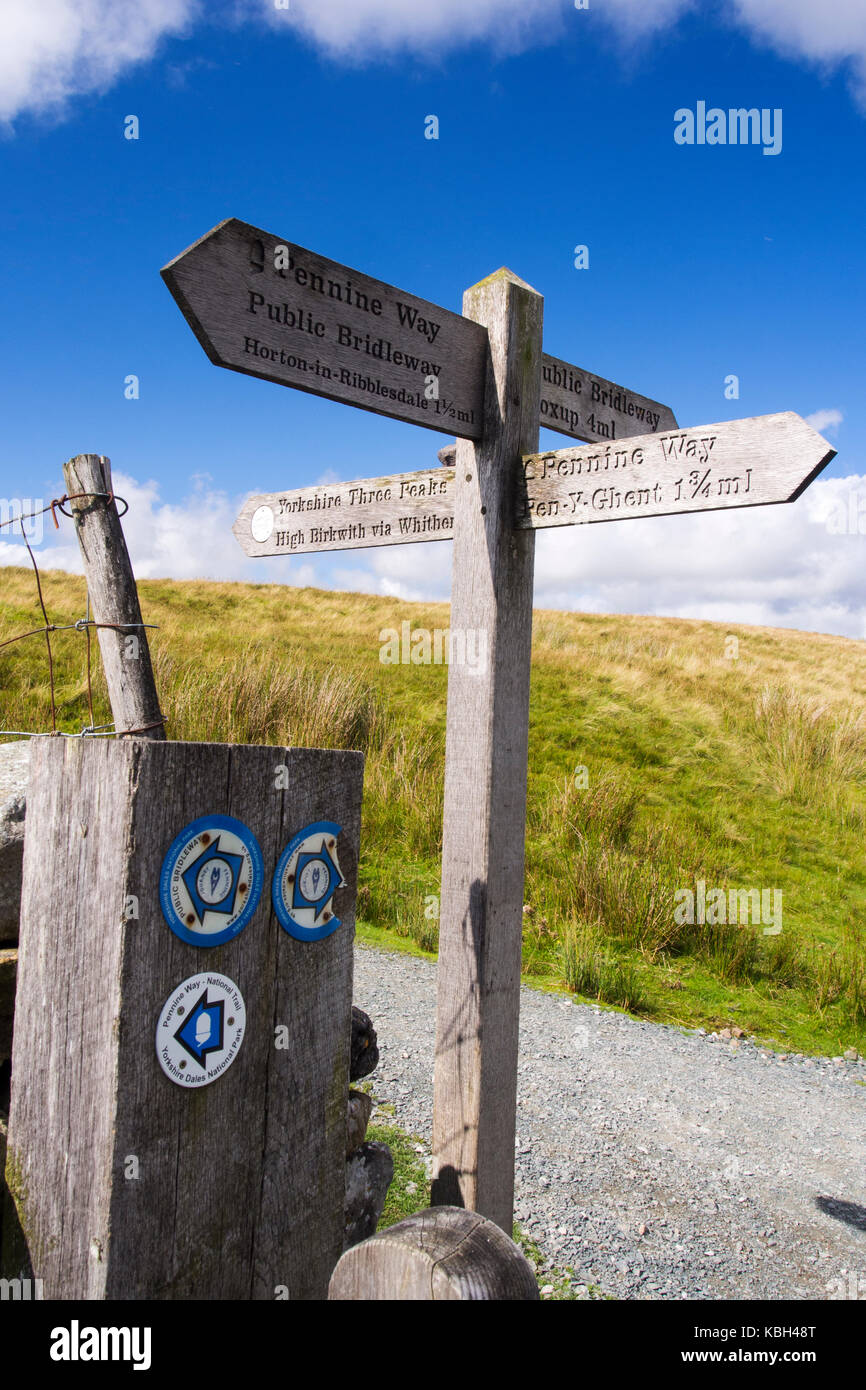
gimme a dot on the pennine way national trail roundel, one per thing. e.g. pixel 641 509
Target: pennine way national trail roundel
pixel 305 880
pixel 211 880
pixel 200 1029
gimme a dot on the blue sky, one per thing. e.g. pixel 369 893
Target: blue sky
pixel 556 129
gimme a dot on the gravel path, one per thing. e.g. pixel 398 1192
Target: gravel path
pixel 657 1163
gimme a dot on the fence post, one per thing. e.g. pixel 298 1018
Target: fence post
pixel 131 1184
pixel 475 1079
pixel 113 598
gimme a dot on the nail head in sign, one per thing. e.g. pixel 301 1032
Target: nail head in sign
pixel 306 878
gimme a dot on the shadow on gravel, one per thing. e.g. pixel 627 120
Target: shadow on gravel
pixel 849 1212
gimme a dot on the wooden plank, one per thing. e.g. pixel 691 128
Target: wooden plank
pixel 237 1187
pixel 443 1254
pixel 113 598
pixel 301 320
pixel 739 463
pixel 475 1078
pixel 350 516
pixel 577 402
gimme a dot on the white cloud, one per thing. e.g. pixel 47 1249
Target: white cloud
pixel 637 17
pixel 828 33
pixel 413 572
pixel 822 420
pixel 831 30
pixel 797 565
pixel 52 50
pixel 354 29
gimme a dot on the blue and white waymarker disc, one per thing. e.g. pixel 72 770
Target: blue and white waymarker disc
pixel 211 880
pixel 200 1029
pixel 305 880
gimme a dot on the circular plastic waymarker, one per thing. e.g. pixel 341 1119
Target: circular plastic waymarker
pixel 211 880
pixel 200 1029
pixel 305 880
pixel 262 524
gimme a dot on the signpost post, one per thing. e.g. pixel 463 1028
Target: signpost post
pixel 270 309
pixel 486 758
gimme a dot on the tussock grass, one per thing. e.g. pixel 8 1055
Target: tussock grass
pixel 257 698
pixel 590 969
pixel 732 951
pixel 630 896
pixel 808 751
pixel 838 977
pixel 603 811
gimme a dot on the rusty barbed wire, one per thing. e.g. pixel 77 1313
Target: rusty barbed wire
pixel 82 625
pixel 59 501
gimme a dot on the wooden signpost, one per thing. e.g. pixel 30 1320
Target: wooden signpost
pixel 495 491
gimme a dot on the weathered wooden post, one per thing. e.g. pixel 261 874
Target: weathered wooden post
pixel 113 597
pixel 181 1050
pixel 485 772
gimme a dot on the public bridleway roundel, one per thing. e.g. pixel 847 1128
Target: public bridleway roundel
pixel 211 880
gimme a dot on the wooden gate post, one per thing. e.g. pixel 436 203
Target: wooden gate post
pixel 136 1182
pixel 475 1077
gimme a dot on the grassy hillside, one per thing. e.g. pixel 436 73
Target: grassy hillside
pixel 743 770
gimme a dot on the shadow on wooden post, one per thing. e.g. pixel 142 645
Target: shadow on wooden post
pixel 444 1253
